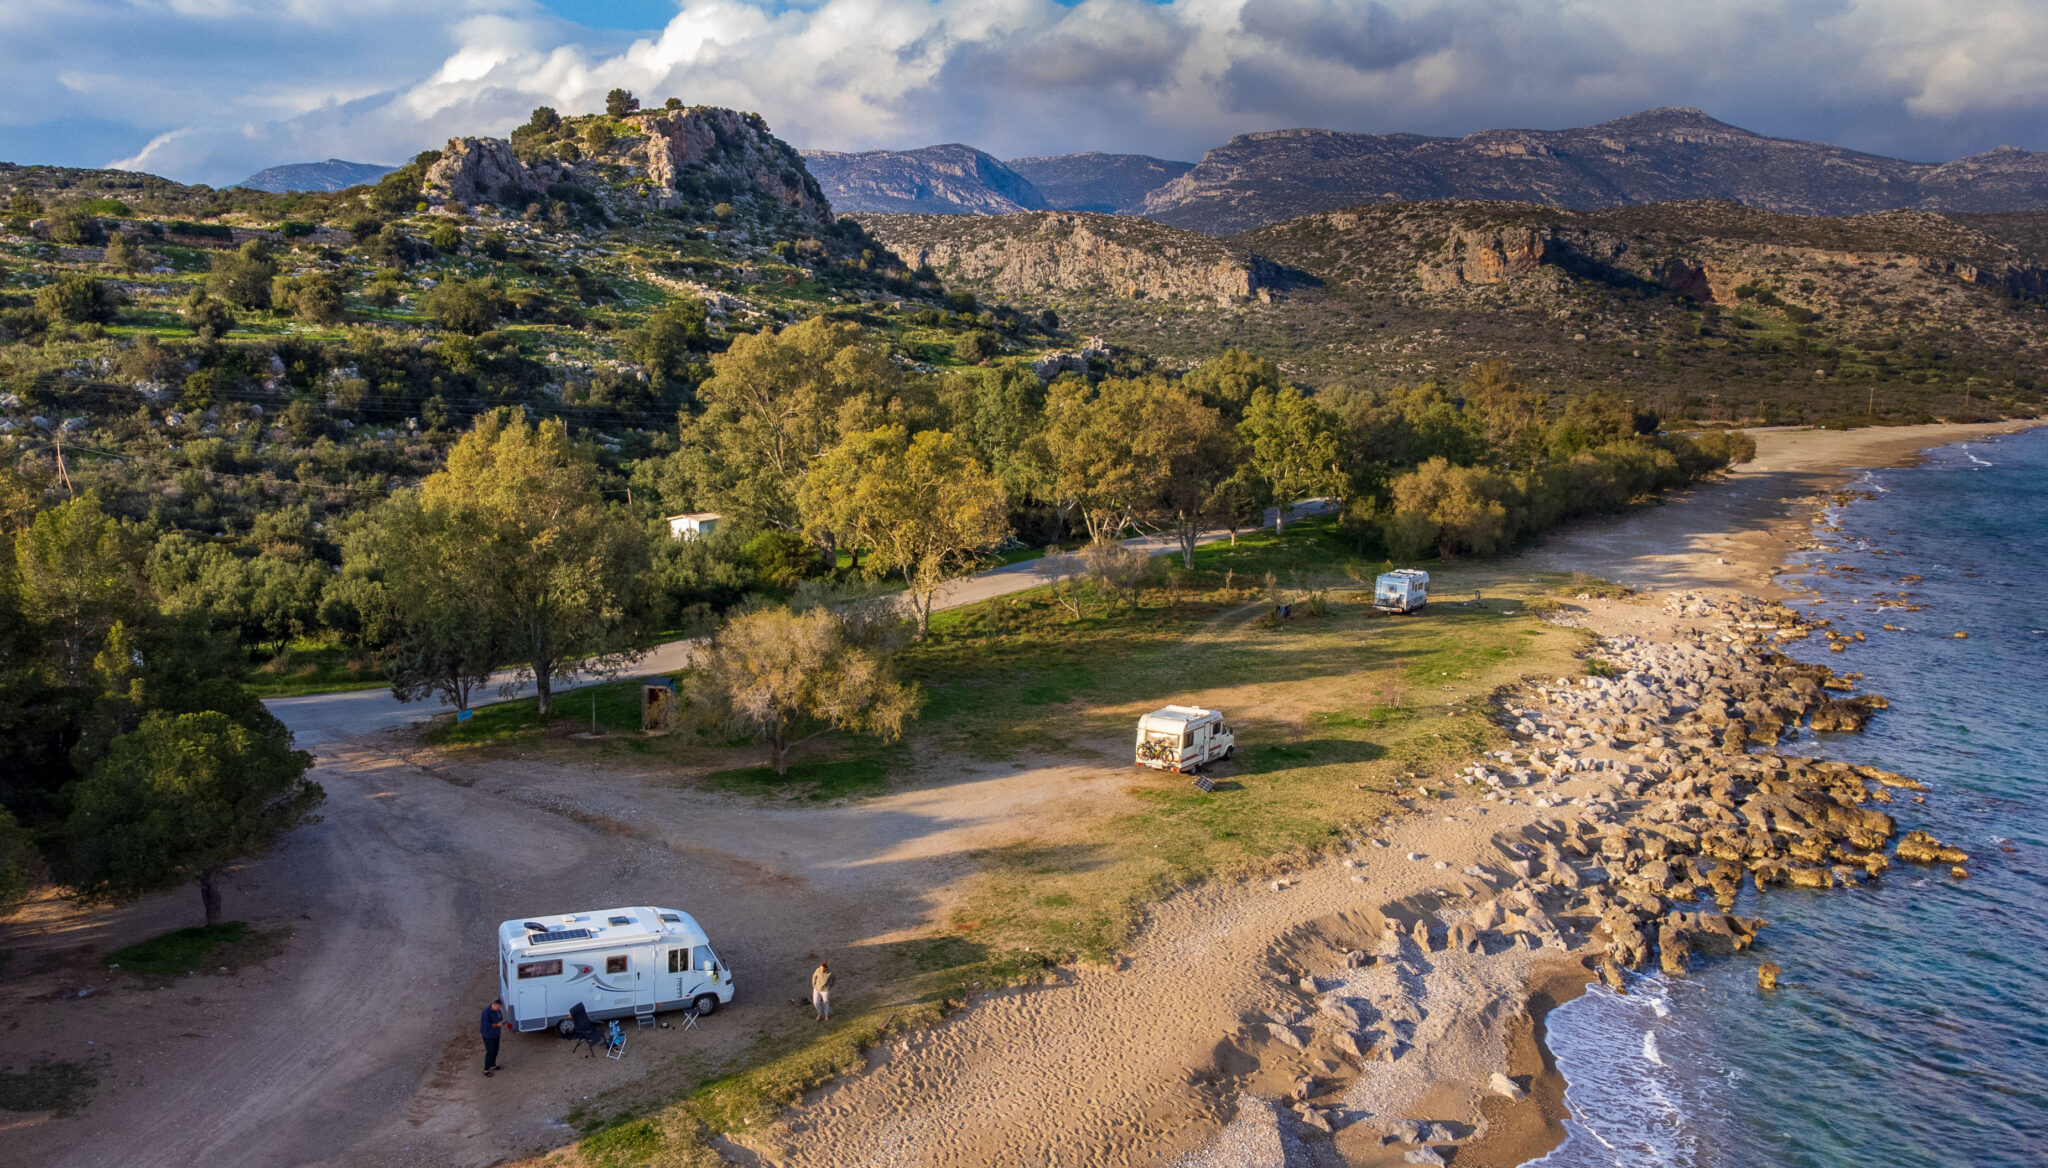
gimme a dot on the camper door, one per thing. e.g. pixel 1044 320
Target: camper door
pixel 692 970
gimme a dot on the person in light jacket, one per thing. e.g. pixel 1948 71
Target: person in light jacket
pixel 821 991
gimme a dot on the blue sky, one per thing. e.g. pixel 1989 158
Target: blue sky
pixel 213 90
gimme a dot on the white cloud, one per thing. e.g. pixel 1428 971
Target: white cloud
pixel 218 88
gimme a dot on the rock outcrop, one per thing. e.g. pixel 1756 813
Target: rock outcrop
pixel 484 170
pixel 1067 252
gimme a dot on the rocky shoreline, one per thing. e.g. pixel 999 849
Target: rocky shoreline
pixel 1634 805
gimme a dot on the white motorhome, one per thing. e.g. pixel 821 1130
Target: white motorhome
pixel 1183 738
pixel 1401 590
pixel 618 962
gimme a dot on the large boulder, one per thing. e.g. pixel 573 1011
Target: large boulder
pixel 1920 848
pixel 483 170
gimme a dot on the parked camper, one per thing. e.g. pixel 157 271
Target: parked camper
pixel 616 962
pixel 1401 590
pixel 1183 738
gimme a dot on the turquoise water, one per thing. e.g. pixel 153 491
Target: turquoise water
pixel 1911 1029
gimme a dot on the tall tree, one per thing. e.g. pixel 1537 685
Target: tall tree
pixel 180 798
pixel 1294 445
pixel 436 580
pixel 786 678
pixel 523 503
pixel 921 504
pixel 1187 451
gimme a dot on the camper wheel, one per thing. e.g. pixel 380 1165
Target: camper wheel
pixel 566 1028
pixel 705 1005
pixel 1230 750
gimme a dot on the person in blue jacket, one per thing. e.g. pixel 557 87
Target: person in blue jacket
pixel 491 1023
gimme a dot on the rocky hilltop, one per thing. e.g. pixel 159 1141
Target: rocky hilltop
pixel 947 179
pixel 1658 156
pixel 665 158
pixel 1073 256
pixel 1098 182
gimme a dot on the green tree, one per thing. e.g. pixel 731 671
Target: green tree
pixel 435 582
pixel 21 865
pixel 561 566
pixel 77 227
pixel 446 237
pixel 1456 509
pixel 786 678
pixel 666 342
pixel 619 102
pixel 544 119
pixel 465 306
pixel 1228 380
pixel 242 277
pixel 317 298
pixel 597 136
pixel 975 347
pixel 79 299
pixel 208 317
pixel 124 255
pixel 921 504
pixel 179 799
pixel 1294 444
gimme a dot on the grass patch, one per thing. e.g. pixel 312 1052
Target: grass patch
pixel 48 1085
pixel 308 667
pixel 863 774
pixel 615 704
pixel 634 1142
pixel 181 951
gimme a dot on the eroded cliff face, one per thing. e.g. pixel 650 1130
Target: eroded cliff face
pixel 1036 254
pixel 1487 255
pixel 485 170
pixel 689 151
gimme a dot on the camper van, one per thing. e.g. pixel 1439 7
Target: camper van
pixel 1183 738
pixel 618 962
pixel 1401 590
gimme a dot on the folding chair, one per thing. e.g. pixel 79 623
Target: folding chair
pixel 615 1041
pixel 690 1018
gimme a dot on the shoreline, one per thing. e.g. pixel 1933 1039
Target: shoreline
pixel 1785 536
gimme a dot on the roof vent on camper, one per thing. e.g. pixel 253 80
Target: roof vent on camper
pixel 620 920
pixel 534 927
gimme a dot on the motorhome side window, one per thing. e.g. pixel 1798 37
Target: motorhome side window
pixel 540 969
pixel 615 965
pixel 679 960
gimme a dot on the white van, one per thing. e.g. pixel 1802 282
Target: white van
pixel 1183 738
pixel 618 962
pixel 1401 590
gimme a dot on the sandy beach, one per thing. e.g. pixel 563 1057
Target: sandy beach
pixel 1385 1004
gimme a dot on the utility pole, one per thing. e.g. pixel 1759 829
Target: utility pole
pixel 58 441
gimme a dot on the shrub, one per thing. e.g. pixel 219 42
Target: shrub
pixel 77 227
pixel 446 238
pixel 242 277
pixel 465 306
pixel 780 558
pixel 619 102
pixel 79 299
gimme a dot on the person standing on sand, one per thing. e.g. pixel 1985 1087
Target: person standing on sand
pixel 490 1024
pixel 821 991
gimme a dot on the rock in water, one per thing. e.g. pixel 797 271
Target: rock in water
pixel 1959 872
pixel 1502 1085
pixel 1767 975
pixel 1920 848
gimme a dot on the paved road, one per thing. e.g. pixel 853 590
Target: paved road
pixel 317 719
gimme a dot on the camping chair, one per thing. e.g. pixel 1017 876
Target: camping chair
pixel 587 1033
pixel 614 1041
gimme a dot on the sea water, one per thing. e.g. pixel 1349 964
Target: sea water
pixel 1910 1028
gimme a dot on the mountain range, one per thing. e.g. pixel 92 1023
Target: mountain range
pixel 1660 155
pixel 332 175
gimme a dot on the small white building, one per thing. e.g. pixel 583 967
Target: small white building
pixel 692 525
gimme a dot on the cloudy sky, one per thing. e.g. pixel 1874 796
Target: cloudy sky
pixel 212 90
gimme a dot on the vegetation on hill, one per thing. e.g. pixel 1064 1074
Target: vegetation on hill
pixel 1710 312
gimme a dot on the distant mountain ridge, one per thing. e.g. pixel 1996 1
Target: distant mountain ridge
pixel 1660 155
pixel 952 179
pixel 332 175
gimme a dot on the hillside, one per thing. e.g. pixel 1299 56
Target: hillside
pixel 951 179
pixel 331 175
pixel 1698 304
pixel 1098 182
pixel 1661 155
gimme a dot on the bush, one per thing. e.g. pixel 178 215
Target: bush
pixel 318 299
pixel 207 316
pixel 446 238
pixel 780 558
pixel 619 102
pixel 974 348
pixel 242 277
pixel 597 136
pixel 465 306
pixel 79 299
pixel 77 227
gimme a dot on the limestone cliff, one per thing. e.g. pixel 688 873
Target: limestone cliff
pixel 1065 253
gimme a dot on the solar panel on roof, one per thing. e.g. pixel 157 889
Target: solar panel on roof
pixel 559 935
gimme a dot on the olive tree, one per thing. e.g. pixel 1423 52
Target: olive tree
pixel 787 677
